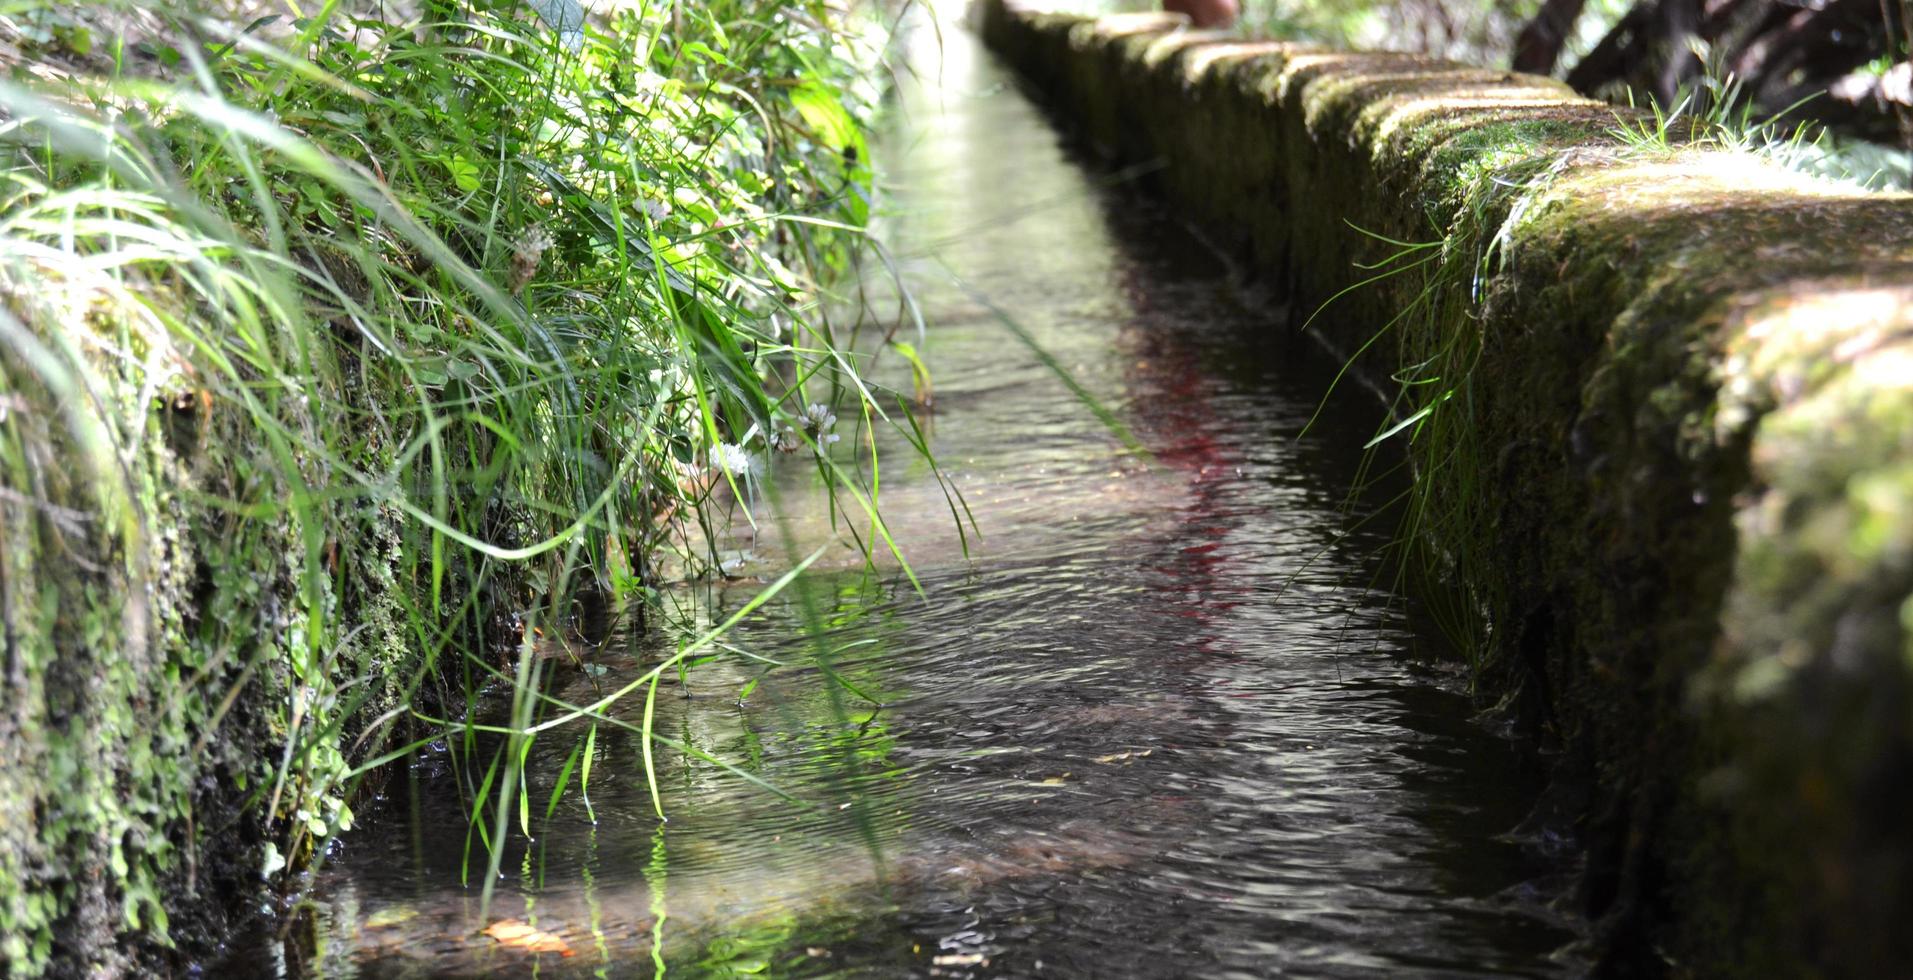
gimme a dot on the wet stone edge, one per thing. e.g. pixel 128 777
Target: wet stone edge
pixel 1674 463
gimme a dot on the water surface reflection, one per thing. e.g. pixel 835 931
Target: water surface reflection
pixel 1154 724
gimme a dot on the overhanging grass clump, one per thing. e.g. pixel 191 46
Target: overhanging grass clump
pixel 339 353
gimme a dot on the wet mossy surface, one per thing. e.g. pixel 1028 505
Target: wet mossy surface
pixel 159 667
pixel 152 664
pixel 1672 456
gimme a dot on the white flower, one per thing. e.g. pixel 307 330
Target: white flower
pixel 786 440
pixel 731 458
pixel 819 420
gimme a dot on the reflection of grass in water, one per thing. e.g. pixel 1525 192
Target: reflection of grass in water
pixel 845 744
pixel 655 876
pixel 788 944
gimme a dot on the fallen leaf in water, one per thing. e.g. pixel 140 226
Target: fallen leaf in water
pixel 1123 756
pixel 518 935
pixel 960 959
pixel 387 918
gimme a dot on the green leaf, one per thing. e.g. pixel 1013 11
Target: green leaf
pixel 826 116
pixel 564 781
pixel 274 861
pixel 584 772
pixel 717 30
pixel 79 40
pixel 464 173
pixel 524 791
pixel 1426 410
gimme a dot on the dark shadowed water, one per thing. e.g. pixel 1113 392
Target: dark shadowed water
pixel 1154 725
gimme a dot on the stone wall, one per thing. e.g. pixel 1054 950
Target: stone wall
pixel 1663 427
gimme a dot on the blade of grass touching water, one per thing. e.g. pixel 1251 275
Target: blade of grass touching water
pixel 584 773
pixel 597 708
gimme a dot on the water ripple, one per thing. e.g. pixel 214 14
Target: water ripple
pixel 1162 720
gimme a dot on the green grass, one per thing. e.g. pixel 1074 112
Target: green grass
pixel 338 357
pixel 1436 346
pixel 1445 278
pixel 1714 112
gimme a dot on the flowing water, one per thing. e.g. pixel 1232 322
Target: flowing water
pixel 1158 722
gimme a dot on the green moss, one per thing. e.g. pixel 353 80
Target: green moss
pixel 1662 444
pixel 233 375
pixel 1808 693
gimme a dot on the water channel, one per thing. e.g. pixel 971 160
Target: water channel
pixel 1159 721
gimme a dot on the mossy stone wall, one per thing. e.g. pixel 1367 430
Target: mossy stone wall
pixel 164 675
pixel 1671 456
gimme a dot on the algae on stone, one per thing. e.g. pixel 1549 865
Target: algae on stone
pixel 1663 435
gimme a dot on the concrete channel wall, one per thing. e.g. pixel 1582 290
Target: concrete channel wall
pixel 1664 436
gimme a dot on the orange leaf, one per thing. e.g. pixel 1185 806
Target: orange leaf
pixel 518 935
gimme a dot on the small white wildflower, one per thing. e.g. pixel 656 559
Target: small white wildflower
pixel 818 416
pixel 786 440
pixel 820 420
pixel 731 458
